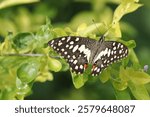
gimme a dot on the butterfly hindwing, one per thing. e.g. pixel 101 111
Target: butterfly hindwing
pixel 74 49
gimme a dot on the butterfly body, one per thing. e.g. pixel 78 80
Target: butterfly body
pixel 81 51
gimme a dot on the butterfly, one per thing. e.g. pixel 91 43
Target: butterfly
pixel 79 52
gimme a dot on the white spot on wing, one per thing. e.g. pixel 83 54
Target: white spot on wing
pixel 114 43
pixel 120 51
pixel 121 46
pixel 73 56
pixel 118 45
pixel 81 66
pixel 71 42
pixel 126 51
pixel 76 67
pixel 71 60
pixel 102 53
pixel 75 62
pixel 62 50
pixel 114 48
pixel 108 53
pixel 77 39
pixel 65 53
pixel 95 68
pixel 68 39
pixel 98 70
pixel 60 43
pixel 112 52
pixel 105 61
pixel 71 47
pixel 68 56
pixel 67 46
pixel 86 51
pixel 52 41
pixel 102 65
pixel 75 48
pixel 63 38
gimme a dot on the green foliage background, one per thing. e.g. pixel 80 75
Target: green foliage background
pixel 28 70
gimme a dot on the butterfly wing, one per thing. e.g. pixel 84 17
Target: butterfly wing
pixel 76 50
pixel 108 53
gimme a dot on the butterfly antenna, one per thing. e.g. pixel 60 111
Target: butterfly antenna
pixel 107 31
pixel 95 25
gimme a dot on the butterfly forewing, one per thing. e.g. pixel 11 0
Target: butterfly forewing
pixel 76 50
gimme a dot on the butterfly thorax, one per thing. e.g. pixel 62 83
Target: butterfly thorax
pixel 95 51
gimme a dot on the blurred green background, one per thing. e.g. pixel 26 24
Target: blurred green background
pixel 29 17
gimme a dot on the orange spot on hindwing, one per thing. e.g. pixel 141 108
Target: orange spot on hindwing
pixel 85 66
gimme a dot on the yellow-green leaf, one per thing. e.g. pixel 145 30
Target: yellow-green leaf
pixel 8 3
pixel 135 76
pixel 125 7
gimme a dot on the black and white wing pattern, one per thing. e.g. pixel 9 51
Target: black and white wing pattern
pixel 75 50
pixel 108 53
pixel 81 51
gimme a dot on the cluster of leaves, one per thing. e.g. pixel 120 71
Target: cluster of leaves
pixel 25 57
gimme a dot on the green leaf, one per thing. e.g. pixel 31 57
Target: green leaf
pixel 23 42
pixel 115 31
pixel 54 64
pixel 59 32
pixel 120 85
pixel 27 72
pixel 131 44
pixel 78 80
pixel 126 6
pixel 137 77
pixel 22 89
pixel 44 76
pixel 81 17
pixel 105 75
pixel 84 30
pixel 8 3
pixel 122 95
pixel 139 91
